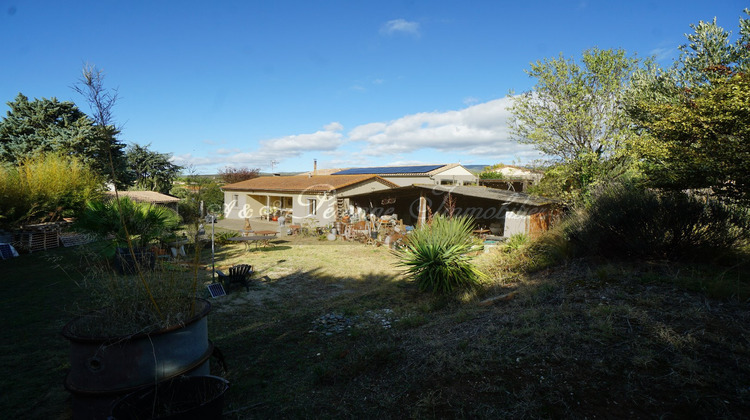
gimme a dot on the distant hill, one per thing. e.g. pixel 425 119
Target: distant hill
pixel 475 168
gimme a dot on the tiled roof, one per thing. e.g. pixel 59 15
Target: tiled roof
pixel 145 196
pixel 320 183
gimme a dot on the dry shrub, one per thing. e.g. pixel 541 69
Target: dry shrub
pixel 629 222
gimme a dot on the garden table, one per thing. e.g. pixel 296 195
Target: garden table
pixel 259 240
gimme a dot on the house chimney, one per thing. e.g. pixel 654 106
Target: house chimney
pixel 315 166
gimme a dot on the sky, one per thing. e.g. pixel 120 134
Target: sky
pixel 277 84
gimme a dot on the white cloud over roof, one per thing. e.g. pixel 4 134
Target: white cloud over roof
pixel 479 131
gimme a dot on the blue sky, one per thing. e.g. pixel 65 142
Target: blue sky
pixel 349 83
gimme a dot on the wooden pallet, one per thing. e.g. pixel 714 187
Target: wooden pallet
pixel 38 239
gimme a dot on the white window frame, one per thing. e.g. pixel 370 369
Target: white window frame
pixel 312 206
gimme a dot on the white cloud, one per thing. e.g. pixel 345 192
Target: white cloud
pixel 329 138
pixel 476 133
pixel 397 26
pixel 480 130
pixel 334 126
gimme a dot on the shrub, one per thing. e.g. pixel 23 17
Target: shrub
pixel 436 255
pixel 628 222
pixel 522 254
pixel 222 238
pixel 45 188
pixel 515 242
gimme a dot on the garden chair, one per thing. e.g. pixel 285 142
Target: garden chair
pixel 237 274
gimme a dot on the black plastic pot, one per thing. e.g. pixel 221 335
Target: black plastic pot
pixel 185 397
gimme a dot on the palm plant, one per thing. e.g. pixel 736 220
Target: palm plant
pixel 141 222
pixel 436 255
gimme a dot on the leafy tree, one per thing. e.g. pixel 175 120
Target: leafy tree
pixel 489 172
pixel 231 175
pixel 46 125
pixel 151 170
pixel 45 188
pixel 695 116
pixel 196 190
pixel 573 113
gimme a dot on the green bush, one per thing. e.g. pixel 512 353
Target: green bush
pixel 196 190
pixel 222 238
pixel 520 253
pixel 436 255
pixel 515 242
pixel 629 222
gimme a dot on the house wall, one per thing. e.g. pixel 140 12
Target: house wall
pixel 325 209
pixel 250 204
pixel 255 204
pixel 516 223
pixel 530 221
pixel 359 189
pixel 233 206
pixel 456 176
pixel 403 181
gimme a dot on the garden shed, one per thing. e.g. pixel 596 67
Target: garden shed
pixel 503 212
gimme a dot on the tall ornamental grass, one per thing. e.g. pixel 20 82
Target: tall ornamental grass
pixel 45 188
pixel 436 255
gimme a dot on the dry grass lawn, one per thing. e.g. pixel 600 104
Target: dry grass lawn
pixel 333 330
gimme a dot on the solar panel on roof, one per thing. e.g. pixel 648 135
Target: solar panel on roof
pixel 390 170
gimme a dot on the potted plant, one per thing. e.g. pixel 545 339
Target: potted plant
pixel 148 326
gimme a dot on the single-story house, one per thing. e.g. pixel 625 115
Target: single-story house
pixel 450 174
pixel 321 198
pixel 503 212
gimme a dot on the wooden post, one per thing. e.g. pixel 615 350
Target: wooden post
pixel 422 209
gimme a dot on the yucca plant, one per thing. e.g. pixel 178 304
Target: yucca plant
pixel 436 255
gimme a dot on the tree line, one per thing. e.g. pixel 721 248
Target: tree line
pixel 54 158
pixel 613 117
